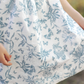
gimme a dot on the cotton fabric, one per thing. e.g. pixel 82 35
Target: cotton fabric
pixel 46 44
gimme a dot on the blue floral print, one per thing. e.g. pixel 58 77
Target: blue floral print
pixel 46 44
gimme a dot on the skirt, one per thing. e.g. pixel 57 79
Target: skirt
pixel 46 44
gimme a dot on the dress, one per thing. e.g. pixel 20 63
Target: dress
pixel 46 44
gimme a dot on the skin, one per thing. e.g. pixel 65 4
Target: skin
pixel 73 13
pixel 5 57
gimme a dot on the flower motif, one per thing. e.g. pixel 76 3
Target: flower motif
pixel 52 14
pixel 68 36
pixel 27 68
pixel 78 54
pixel 11 8
pixel 29 80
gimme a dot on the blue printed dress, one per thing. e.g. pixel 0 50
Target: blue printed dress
pixel 46 44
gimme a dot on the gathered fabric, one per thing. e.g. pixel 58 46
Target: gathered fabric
pixel 46 44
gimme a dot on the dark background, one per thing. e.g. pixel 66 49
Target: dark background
pixel 78 5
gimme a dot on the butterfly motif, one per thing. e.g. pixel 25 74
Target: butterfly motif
pixel 45 43
pixel 67 67
pixel 56 5
pixel 28 21
pixel 53 58
pixel 11 22
pixel 49 34
pixel 19 23
pixel 21 50
pixel 56 38
pixel 14 72
pixel 16 57
pixel 7 18
pixel 8 33
pixel 43 11
pixel 58 31
pixel 45 27
pixel 30 37
pixel 16 38
pixel 10 27
pixel 19 76
pixel 65 46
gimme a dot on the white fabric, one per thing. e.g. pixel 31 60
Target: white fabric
pixel 46 44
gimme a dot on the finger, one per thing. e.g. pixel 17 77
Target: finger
pixel 7 56
pixel 7 59
pixel 10 56
pixel 4 61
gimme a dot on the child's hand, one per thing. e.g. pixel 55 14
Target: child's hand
pixel 4 56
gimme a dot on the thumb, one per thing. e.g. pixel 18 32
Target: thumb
pixel 4 61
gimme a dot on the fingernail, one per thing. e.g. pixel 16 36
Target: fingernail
pixel 11 63
pixel 9 59
pixel 10 55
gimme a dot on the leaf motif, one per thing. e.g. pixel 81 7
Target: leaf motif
pixel 10 77
pixel 7 41
pixel 23 63
pixel 18 63
pixel 16 15
pixel 12 35
pixel 7 72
